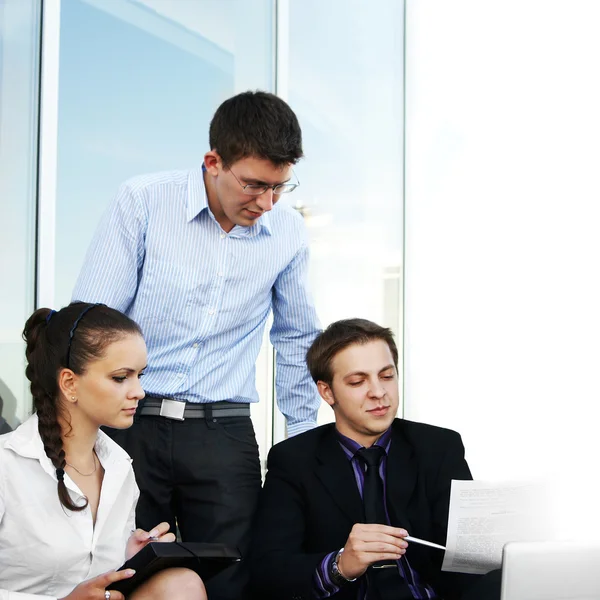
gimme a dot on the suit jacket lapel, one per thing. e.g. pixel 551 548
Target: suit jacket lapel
pixel 401 477
pixel 335 473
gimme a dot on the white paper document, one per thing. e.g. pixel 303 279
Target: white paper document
pixel 484 516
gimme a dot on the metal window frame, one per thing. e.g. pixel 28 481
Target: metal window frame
pixel 281 76
pixel 47 154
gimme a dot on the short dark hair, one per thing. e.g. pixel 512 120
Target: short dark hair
pixel 257 124
pixel 340 335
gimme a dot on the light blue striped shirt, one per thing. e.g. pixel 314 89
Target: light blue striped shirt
pixel 202 296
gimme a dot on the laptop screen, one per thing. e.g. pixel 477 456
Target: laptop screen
pixel 551 571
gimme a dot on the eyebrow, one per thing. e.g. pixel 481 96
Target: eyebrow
pixel 252 181
pixel 363 374
pixel 128 370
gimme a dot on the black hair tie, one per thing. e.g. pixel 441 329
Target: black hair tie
pixel 60 474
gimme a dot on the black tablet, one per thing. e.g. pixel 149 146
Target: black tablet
pixel 206 559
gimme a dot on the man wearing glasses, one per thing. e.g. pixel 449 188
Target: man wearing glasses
pixel 199 259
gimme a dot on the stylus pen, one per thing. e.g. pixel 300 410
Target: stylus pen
pixel 415 540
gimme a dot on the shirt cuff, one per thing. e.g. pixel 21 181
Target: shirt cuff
pixel 324 587
pixel 297 428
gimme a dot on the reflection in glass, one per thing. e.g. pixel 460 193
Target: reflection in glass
pixel 20 30
pixel 346 87
pixel 139 82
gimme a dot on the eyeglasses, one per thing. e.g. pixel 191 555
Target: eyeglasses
pixel 255 189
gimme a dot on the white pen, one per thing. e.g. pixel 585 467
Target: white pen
pixel 415 540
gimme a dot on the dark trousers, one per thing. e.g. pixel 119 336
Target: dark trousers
pixel 204 476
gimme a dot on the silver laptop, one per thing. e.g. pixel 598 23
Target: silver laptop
pixel 551 571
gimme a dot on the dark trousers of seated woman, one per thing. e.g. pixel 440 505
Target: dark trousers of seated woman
pixel 203 476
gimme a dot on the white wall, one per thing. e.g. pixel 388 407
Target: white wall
pixel 502 296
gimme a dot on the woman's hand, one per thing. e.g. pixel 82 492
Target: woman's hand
pixel 140 538
pixel 95 589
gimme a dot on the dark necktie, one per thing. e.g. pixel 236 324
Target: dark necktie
pixel 386 583
pixel 373 485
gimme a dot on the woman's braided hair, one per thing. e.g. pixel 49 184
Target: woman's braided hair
pixel 69 338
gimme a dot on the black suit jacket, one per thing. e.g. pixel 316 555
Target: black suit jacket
pixel 310 501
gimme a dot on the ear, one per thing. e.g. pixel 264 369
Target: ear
pixel 326 392
pixel 213 163
pixel 67 384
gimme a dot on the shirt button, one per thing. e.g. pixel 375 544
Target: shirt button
pixel 211 311
pixel 195 345
pixel 181 375
pixel 222 235
pixel 220 274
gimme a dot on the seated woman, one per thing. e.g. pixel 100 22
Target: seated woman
pixel 67 491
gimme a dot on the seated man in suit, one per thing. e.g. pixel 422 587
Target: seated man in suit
pixel 339 500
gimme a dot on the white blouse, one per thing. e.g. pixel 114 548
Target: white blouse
pixel 45 549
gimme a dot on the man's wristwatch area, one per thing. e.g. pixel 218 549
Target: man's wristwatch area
pixel 334 571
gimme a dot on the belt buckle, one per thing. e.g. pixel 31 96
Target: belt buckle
pixel 172 409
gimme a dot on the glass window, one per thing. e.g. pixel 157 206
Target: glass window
pixel 20 28
pixel 139 83
pixel 346 86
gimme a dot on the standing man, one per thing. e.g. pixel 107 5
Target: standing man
pixel 339 501
pixel 199 259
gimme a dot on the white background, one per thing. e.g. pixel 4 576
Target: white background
pixel 502 221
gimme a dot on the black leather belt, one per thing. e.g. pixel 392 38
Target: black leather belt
pixel 181 410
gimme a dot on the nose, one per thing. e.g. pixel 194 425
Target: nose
pixel 266 200
pixel 137 392
pixel 376 390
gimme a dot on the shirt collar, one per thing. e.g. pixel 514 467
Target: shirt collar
pixel 265 222
pixel 350 447
pixel 26 441
pixel 197 201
